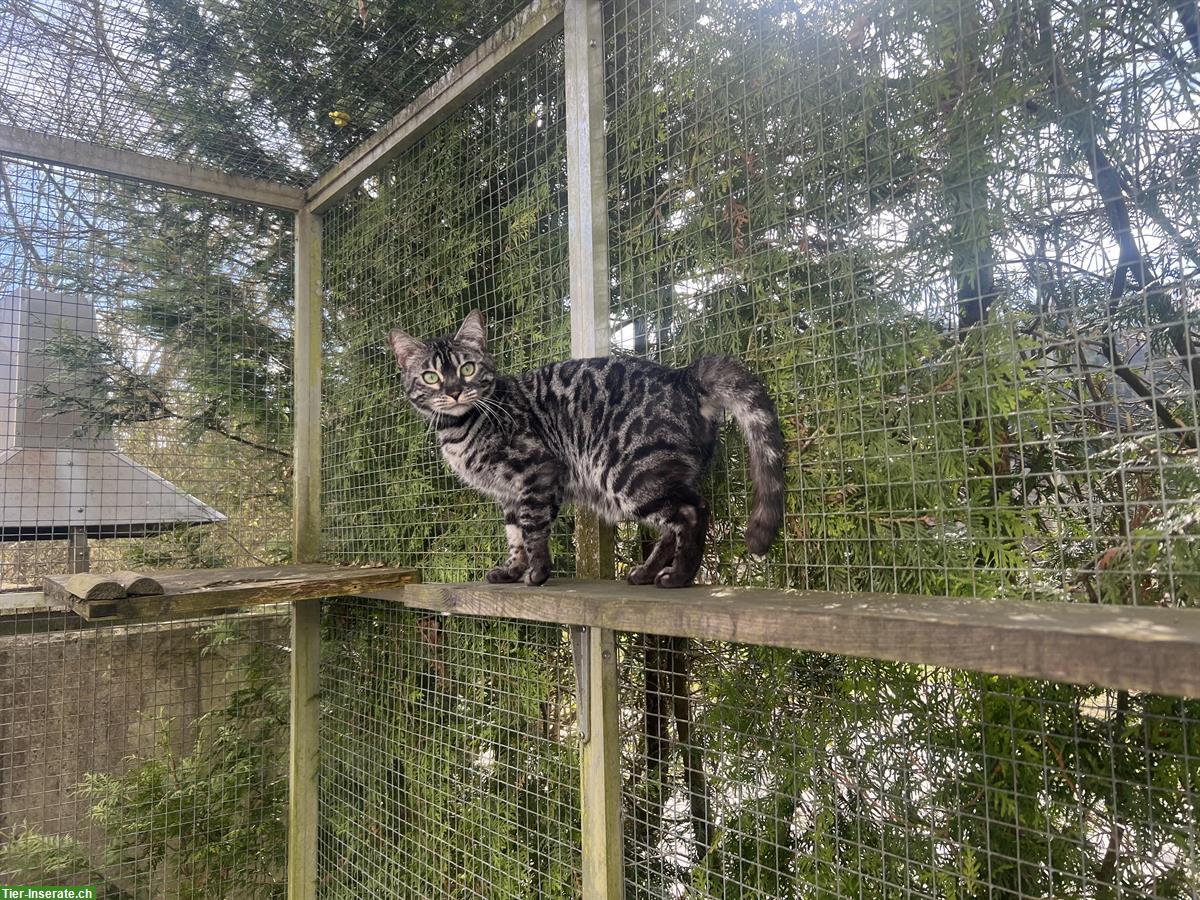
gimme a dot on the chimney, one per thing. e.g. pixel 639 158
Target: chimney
pixel 59 475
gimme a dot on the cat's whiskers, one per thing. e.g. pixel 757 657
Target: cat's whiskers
pixel 492 410
pixel 491 417
pixel 497 406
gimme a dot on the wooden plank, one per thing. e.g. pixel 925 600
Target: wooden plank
pixel 306 391
pixel 512 43
pixel 25 144
pixel 199 592
pixel 20 603
pixel 94 587
pixel 113 586
pixel 304 756
pixel 1131 648
pixel 138 584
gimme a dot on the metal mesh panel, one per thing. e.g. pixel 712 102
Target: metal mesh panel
pixel 277 91
pixel 450 766
pixel 752 772
pixel 145 343
pixel 958 243
pixel 147 760
pixel 472 217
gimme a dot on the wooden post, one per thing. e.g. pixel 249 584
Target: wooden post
pixel 304 755
pixel 306 386
pixel 79 557
pixel 587 218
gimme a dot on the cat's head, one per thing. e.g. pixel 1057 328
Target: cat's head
pixel 448 375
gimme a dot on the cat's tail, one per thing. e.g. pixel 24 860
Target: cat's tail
pixel 727 385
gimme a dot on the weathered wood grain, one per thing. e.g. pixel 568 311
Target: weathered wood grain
pixel 306 371
pixel 1132 648
pixel 94 587
pixel 197 592
pixel 304 750
pixel 19 603
pixel 138 584
pixel 28 144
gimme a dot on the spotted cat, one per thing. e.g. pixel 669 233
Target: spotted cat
pixel 623 437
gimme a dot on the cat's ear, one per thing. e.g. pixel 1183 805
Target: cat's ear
pixel 405 346
pixel 473 332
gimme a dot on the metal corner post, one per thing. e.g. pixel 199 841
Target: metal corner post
pixel 594 648
pixel 304 748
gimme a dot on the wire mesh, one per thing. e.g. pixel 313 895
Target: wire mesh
pixel 277 91
pixel 957 240
pixel 752 772
pixel 146 760
pixel 449 766
pixel 473 216
pixel 145 342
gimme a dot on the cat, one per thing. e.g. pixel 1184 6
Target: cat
pixel 623 437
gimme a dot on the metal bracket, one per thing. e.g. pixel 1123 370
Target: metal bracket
pixel 583 681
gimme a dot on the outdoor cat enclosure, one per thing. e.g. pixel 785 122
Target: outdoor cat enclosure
pixel 959 241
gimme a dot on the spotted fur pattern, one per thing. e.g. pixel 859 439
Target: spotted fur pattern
pixel 623 437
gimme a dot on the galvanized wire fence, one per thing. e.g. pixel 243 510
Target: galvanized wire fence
pixel 958 243
pixel 757 772
pixel 145 336
pixel 147 760
pixel 483 226
pixel 450 763
pixel 277 92
pixel 957 240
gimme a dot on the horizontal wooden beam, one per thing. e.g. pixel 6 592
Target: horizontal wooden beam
pixel 16 603
pixel 1132 648
pixel 206 591
pixel 25 144
pixel 514 42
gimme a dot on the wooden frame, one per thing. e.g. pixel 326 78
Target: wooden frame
pixel 304 740
pixel 595 648
pixel 25 144
pixel 515 41
pixel 203 592
pixel 1145 649
pixel 1122 647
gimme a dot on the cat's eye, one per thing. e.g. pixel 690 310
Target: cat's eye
pixel 467 369
pixel 431 377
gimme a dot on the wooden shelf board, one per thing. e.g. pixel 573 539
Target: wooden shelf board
pixel 1134 648
pixel 203 591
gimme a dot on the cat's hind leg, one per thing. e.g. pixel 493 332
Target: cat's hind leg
pixel 518 561
pixel 661 556
pixel 679 510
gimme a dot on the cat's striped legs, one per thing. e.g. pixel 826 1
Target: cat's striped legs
pixel 682 516
pixel 518 561
pixel 661 556
pixel 535 519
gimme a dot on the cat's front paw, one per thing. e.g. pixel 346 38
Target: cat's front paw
pixel 504 575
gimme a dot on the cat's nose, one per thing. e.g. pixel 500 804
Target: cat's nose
pixel 453 395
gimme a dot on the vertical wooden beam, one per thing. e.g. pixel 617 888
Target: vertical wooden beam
pixel 587 227
pixel 587 218
pixel 600 782
pixel 304 754
pixel 306 386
